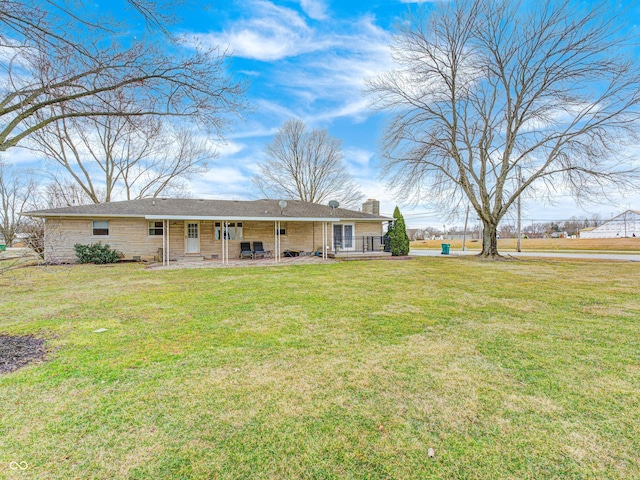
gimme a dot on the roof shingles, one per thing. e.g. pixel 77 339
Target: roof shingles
pixel 187 207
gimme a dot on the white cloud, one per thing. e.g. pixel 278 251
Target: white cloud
pixel 254 129
pixel 358 157
pixel 230 148
pixel 224 175
pixel 375 189
pixel 221 182
pixel 22 157
pixel 337 77
pixel 315 9
pixel 327 75
pixel 271 33
pixel 272 108
pixel 358 109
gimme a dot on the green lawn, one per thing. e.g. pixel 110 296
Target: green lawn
pixel 518 370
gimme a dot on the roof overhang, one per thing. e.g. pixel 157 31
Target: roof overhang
pixel 241 219
pixel 377 220
pixel 207 217
pixel 79 215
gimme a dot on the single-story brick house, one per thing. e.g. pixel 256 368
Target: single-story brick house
pixel 169 229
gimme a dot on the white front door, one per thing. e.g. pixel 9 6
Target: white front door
pixel 348 237
pixel 343 236
pixel 192 237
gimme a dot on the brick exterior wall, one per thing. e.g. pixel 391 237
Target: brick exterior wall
pixel 131 236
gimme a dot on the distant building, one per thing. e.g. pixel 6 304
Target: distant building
pixel 627 224
pixel 415 234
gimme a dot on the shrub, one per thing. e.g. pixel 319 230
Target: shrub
pixel 97 253
pixel 399 240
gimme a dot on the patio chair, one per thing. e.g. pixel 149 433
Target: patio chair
pixel 245 250
pixel 258 250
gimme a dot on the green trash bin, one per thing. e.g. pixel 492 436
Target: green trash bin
pixel 445 248
pixel 3 247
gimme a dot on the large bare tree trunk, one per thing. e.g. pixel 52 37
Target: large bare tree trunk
pixel 489 240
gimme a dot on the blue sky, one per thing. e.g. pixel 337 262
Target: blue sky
pixel 309 59
pixel 305 59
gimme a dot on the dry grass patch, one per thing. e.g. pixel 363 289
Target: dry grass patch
pixel 631 245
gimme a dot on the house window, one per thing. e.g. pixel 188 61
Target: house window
pixel 283 229
pixel 101 228
pixel 155 228
pixel 232 232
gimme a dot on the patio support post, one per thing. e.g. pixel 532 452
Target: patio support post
pixel 332 235
pixel 324 241
pixel 164 241
pixel 327 247
pixel 326 228
pixel 165 250
pixel 225 242
pixel 276 233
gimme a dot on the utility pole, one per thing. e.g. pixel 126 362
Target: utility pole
pixel 464 235
pixel 519 246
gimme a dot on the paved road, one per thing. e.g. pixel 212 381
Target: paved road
pixel 595 255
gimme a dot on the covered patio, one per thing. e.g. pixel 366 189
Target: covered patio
pixel 210 238
pixel 170 230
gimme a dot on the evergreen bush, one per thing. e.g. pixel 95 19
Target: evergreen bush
pixel 97 253
pixel 397 233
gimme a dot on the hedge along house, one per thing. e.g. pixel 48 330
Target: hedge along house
pixel 177 229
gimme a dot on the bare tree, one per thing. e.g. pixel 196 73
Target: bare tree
pixel 58 64
pixel 62 193
pixel 596 221
pixel 573 225
pixel 486 89
pixel 52 195
pixel 306 165
pixel 116 156
pixel 16 191
pixel 507 230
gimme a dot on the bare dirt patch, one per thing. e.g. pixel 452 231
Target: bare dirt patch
pixel 18 351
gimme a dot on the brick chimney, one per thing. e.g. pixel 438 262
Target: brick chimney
pixel 371 206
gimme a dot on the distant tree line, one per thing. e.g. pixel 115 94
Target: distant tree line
pixel 530 229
